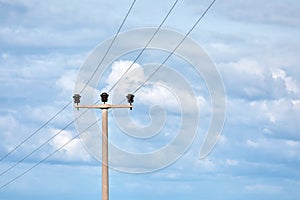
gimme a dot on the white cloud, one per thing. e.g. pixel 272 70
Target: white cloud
pixel 246 78
pixel 154 92
pixel 29 69
pixel 271 12
pixel 134 75
pixel 159 95
pixel 47 24
pixel 205 165
pixel 67 81
pixel 252 143
pixel 250 78
pixel 247 67
pixel 290 83
pixel 230 162
pixel 258 188
pixel 8 122
pixel 290 149
pixel 8 126
pixel 13 133
pixel 74 151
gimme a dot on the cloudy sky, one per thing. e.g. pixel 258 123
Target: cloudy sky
pixel 253 44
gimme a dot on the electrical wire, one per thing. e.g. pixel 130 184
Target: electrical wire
pixel 43 144
pixel 70 102
pixel 47 157
pixel 115 37
pixel 35 132
pixel 47 141
pixel 193 27
pixel 177 46
pixel 141 52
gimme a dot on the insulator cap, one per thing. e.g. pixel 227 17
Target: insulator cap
pixel 130 98
pixel 76 98
pixel 104 97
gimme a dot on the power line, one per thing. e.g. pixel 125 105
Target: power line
pixel 70 102
pixel 47 157
pixel 195 24
pixel 115 37
pixel 165 18
pixel 141 52
pixel 42 145
pixel 155 33
pixel 35 132
pixel 178 45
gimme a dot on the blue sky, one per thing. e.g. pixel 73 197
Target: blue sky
pixel 254 45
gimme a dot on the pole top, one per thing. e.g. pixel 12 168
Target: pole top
pixel 104 99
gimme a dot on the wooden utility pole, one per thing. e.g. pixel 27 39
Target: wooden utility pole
pixel 104 107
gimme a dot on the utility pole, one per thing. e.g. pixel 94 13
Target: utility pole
pixel 104 107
